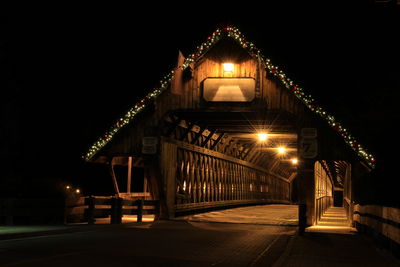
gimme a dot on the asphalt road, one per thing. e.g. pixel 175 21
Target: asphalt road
pixel 164 243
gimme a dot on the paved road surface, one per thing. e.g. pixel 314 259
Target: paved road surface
pixel 249 236
pixel 164 243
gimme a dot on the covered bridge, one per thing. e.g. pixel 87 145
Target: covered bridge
pixel 226 127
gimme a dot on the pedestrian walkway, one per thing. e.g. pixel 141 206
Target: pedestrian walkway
pixel 334 220
pixel 332 242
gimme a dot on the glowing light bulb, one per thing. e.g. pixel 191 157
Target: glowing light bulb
pixel 262 136
pixel 281 150
pixel 228 67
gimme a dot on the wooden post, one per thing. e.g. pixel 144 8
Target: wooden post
pixel 156 210
pixel 91 208
pixel 302 218
pixel 129 178
pixel 114 178
pixel 116 210
pixel 139 204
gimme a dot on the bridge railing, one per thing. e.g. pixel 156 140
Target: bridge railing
pixel 203 179
pixel 92 207
pixel 322 204
pixel 383 223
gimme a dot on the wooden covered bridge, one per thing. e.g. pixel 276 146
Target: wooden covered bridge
pixel 228 128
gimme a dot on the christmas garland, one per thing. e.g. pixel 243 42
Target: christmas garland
pixel 272 70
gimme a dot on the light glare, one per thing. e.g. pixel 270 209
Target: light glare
pixel 281 150
pixel 228 67
pixel 262 136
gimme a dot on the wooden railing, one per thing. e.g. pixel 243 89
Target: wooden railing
pixel 115 207
pixel 383 223
pixel 205 179
pixel 322 204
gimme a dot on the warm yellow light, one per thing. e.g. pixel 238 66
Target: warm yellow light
pixel 77 191
pixel 262 136
pixel 281 150
pixel 228 67
pixel 67 187
pixel 295 161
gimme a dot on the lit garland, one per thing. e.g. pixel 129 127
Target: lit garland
pixel 272 70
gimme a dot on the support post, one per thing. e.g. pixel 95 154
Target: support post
pixel 139 204
pixel 116 210
pixel 114 178
pixel 91 208
pixel 129 178
pixel 302 218
pixel 156 210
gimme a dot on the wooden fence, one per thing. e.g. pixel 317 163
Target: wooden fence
pixel 114 207
pixel 383 223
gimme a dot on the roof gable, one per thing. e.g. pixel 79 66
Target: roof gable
pixel 274 71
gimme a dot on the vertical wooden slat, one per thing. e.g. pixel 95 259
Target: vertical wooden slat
pixel 192 188
pixel 129 177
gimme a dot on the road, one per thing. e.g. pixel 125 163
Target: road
pixel 163 243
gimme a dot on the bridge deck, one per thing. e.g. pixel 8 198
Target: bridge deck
pixel 263 214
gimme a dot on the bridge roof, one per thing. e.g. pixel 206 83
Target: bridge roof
pixel 273 70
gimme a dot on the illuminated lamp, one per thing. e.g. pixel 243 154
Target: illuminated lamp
pixel 228 67
pixel 294 161
pixel 281 150
pixel 262 137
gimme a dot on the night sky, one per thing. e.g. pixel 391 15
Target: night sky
pixel 70 73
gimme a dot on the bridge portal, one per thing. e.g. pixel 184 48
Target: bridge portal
pixel 227 128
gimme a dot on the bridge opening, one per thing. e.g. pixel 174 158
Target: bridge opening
pixel 332 193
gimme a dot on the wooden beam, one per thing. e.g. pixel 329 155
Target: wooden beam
pixel 270 136
pixel 114 178
pixel 270 149
pixel 292 176
pixel 186 131
pixel 210 135
pixel 216 142
pixel 252 146
pixel 199 134
pixel 222 148
pixel 175 122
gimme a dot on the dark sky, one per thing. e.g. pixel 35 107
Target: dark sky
pixel 70 72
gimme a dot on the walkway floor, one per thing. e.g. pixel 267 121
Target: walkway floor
pixel 264 214
pixel 334 220
pixel 334 243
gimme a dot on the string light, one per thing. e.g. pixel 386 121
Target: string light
pixel 272 71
